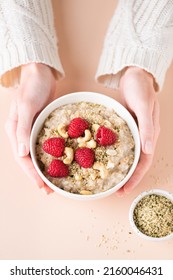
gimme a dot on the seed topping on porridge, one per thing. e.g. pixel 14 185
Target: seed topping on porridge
pixel 85 148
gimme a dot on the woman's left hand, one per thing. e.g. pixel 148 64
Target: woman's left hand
pixel 140 98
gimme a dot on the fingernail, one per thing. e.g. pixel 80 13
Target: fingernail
pixel 119 193
pixel 45 191
pixel 127 191
pixel 148 147
pixel 22 150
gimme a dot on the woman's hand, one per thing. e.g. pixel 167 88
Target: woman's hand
pixel 36 90
pixel 140 98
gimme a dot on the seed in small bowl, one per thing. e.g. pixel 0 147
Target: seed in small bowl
pixel 151 215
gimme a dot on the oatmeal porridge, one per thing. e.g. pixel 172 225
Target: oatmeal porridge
pixel 85 148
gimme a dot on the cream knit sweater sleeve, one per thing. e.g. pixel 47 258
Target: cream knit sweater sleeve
pixel 26 35
pixel 140 34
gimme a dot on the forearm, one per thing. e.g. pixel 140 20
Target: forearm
pixel 140 34
pixel 27 35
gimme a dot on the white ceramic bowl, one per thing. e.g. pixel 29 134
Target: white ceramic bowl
pixel 94 98
pixel 133 205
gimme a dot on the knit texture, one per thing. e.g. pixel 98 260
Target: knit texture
pixel 140 34
pixel 26 35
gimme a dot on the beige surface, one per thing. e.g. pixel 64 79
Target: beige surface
pixel 36 226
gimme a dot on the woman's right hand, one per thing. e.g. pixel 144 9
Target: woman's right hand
pixel 36 90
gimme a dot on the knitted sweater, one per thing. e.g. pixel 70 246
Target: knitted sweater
pixel 27 35
pixel 140 34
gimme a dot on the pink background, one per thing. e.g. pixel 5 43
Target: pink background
pixel 37 226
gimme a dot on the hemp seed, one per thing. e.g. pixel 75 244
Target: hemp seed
pixel 153 215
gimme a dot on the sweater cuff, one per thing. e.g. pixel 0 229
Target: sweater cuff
pixel 114 60
pixel 14 56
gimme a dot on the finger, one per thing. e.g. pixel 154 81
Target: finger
pixel 11 126
pixel 47 189
pixel 145 160
pixel 141 169
pixel 156 121
pixel 29 169
pixel 146 128
pixel 120 192
pixel 27 166
pixel 23 162
pixel 26 114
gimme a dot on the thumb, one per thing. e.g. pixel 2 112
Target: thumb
pixel 25 119
pixel 146 130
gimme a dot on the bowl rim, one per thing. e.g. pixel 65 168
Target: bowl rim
pixel 87 97
pixel 157 191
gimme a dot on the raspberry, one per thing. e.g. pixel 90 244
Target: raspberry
pixel 85 157
pixel 54 146
pixel 58 169
pixel 105 136
pixel 77 127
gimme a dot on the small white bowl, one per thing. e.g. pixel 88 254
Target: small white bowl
pixel 133 205
pixel 94 98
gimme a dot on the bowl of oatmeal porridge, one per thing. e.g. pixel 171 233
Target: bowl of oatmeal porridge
pixel 85 145
pixel 151 215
